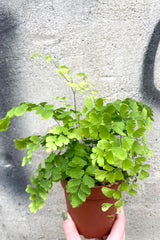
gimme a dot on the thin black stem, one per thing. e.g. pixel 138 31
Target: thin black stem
pixel 73 91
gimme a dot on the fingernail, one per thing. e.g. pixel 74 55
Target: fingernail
pixel 64 216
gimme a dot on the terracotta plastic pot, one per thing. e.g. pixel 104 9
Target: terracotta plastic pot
pixel 90 221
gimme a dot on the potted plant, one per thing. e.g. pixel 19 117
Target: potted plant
pixel 101 147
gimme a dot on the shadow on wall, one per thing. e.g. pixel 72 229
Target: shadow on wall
pixel 148 88
pixel 12 175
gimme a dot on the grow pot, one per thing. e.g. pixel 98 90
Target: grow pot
pixel 90 220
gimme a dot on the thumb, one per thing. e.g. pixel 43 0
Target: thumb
pixel 70 229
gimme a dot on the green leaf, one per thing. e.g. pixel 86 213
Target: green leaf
pixel 80 150
pixel 144 139
pixel 108 192
pixel 51 138
pixel 117 104
pixel 107 117
pixel 21 109
pixel 48 58
pixel 85 189
pixel 118 175
pixel 145 166
pixel 81 195
pixel 127 143
pixel 57 130
pixel 106 206
pixel 33 207
pixel 104 144
pixel 119 152
pixel 56 174
pixel 136 185
pixel 127 164
pixel 140 123
pixel 50 158
pixel 131 124
pixel 35 147
pixel 81 132
pixel 108 155
pixel 118 127
pixel 124 110
pixel 11 113
pixel 93 131
pixel 40 202
pixel 150 153
pixel 124 186
pixel 90 170
pixel 35 138
pixel 135 111
pixel 89 181
pixel 93 117
pixel 139 150
pixel 21 143
pixel 42 193
pixel 148 124
pixel 46 184
pixel 139 160
pixel 33 197
pixel 110 108
pixel 84 110
pixel 78 161
pixel 74 200
pixel 73 185
pixel 4 123
pixel 108 167
pixel 24 161
pixel 93 156
pixel 62 139
pixel 117 195
pixel 43 104
pixel 100 175
pixel 139 132
pixel 30 189
pixel 88 102
pixel 64 114
pixel 119 203
pixel 144 113
pixel 99 104
pixel 110 177
pixel 84 123
pixel 35 55
pixel 103 132
pixel 143 175
pixel 134 170
pixel 74 172
pixel 46 114
pixel 81 74
pixel 132 192
pixel 100 160
pixel 49 107
pixel 97 150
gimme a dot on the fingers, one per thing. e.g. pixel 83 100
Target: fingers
pixel 118 229
pixel 70 229
pixel 124 236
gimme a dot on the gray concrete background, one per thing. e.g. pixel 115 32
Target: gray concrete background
pixel 116 43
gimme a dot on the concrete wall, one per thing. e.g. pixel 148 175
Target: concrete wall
pixel 116 43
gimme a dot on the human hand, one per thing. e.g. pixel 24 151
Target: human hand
pixel 117 231
pixel 118 228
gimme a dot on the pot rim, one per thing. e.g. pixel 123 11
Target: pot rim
pixel 96 192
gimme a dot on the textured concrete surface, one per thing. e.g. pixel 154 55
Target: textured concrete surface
pixel 116 43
